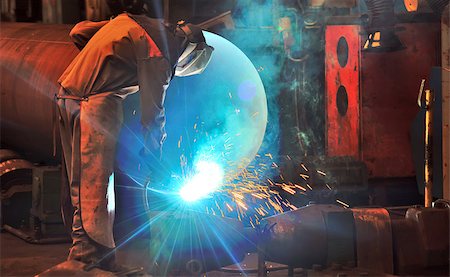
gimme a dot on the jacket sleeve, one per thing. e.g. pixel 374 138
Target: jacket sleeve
pixel 84 31
pixel 154 75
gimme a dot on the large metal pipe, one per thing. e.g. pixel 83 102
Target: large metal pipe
pixel 314 234
pixel 32 57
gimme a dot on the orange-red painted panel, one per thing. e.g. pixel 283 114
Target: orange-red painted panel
pixel 342 71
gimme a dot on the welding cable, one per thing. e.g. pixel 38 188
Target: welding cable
pixel 146 200
pixel 252 270
pixel 298 60
pixel 421 102
pixel 438 6
pixel 381 13
pixel 300 5
pixel 441 204
pixel 419 98
pixel 294 12
pixel 30 239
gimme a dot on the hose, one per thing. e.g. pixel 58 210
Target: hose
pixel 441 203
pixel 32 240
pixel 437 6
pixel 381 13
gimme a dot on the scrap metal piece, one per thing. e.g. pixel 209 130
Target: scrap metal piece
pixel 374 239
pixel 421 242
pixel 433 228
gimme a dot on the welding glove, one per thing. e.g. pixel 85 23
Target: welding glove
pixel 153 142
pixel 151 154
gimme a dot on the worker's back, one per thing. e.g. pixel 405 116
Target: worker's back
pixel 108 60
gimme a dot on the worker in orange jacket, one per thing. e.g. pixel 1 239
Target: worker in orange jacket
pixel 128 54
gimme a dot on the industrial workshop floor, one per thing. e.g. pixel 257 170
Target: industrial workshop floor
pixel 19 258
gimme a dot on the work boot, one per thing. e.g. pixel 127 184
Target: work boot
pixel 74 268
pixel 108 263
pixel 123 270
pixel 83 252
pixel 115 268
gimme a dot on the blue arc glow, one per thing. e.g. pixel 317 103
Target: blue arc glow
pixel 208 178
pixel 219 116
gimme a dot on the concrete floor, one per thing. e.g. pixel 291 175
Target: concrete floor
pixel 19 258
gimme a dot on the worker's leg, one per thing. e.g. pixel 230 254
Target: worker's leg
pixel 89 131
pixel 100 123
pixel 83 248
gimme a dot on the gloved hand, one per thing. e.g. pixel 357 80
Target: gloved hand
pixel 151 154
pixel 152 147
pixel 153 141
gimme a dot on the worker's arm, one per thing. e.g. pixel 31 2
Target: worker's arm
pixel 153 76
pixel 84 31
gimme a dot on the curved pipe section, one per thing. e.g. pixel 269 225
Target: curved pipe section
pixel 32 57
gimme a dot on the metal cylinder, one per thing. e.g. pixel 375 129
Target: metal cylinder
pixel 309 236
pixel 32 57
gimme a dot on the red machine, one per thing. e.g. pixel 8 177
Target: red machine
pixel 371 96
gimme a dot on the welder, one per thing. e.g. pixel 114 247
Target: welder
pixel 131 53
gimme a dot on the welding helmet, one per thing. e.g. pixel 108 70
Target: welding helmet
pixel 197 54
